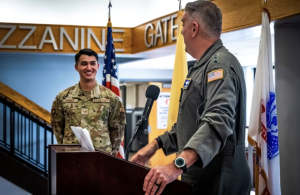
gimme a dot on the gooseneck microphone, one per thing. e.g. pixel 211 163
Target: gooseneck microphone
pixel 152 94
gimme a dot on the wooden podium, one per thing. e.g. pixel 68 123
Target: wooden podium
pixel 74 170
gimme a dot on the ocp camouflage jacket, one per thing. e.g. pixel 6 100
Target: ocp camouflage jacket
pixel 102 114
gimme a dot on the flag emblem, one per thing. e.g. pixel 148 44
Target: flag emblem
pixel 187 83
pixel 272 134
pixel 215 75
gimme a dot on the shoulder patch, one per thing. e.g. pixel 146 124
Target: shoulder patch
pixel 214 75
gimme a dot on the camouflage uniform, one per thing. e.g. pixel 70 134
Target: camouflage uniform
pixel 102 114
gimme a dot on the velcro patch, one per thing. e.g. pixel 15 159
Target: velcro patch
pixel 214 75
pixel 84 111
pixel 71 100
pixel 187 83
pixel 122 110
pixel 101 100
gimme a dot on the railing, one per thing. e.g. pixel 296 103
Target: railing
pixel 24 136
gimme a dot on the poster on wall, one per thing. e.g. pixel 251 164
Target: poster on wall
pixel 162 110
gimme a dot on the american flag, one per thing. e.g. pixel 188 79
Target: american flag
pixel 217 74
pixel 110 70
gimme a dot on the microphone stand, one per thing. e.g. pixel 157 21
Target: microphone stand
pixel 139 127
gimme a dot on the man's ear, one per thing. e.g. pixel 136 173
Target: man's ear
pixel 76 67
pixel 195 29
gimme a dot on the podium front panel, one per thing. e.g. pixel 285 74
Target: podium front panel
pixel 74 170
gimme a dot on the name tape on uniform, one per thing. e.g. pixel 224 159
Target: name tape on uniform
pixel 214 75
pixel 71 100
pixel 101 100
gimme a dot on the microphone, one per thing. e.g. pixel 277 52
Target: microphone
pixel 152 94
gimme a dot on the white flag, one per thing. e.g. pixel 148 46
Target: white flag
pixel 263 128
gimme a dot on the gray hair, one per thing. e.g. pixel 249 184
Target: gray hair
pixel 208 14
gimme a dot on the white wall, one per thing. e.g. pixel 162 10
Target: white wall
pixel 140 95
pixel 131 97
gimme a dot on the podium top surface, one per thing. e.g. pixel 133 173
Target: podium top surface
pixel 69 148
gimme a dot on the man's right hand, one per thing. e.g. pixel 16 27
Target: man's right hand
pixel 143 155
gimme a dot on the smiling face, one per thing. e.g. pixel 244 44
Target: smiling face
pixel 87 67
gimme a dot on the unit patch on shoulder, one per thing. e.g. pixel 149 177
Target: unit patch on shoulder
pixel 187 83
pixel 214 75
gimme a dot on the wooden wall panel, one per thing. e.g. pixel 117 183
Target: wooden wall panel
pixel 238 14
pixel 138 42
pixel 283 8
pixel 35 39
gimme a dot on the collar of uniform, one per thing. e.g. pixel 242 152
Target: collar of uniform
pixel 95 93
pixel 209 52
pixel 77 93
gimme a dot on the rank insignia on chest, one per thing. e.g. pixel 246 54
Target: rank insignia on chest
pixel 215 58
pixel 214 75
pixel 84 111
pixel 187 83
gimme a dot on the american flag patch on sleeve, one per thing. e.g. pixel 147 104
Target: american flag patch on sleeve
pixel 215 75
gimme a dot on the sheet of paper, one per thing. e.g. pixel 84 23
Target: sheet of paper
pixel 83 137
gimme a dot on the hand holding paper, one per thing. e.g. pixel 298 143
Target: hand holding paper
pixel 83 137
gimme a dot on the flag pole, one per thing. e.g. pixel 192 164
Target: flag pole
pixel 109 21
pixel 179 5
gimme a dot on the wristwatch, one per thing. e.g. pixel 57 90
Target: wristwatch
pixel 179 162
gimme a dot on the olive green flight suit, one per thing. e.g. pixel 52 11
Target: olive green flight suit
pixel 211 121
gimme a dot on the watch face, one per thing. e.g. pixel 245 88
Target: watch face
pixel 180 162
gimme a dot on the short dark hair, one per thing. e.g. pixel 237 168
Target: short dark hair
pixel 209 14
pixel 86 51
